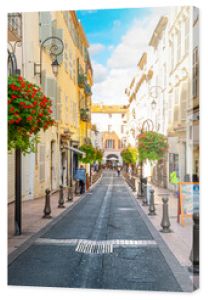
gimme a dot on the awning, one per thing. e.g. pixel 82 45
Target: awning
pixel 75 150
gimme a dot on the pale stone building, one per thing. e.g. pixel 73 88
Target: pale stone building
pixel 110 121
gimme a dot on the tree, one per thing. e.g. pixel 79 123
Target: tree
pixel 29 111
pixel 152 146
pixel 90 154
pixel 129 155
pixel 99 155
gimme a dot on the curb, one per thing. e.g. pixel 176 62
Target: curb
pixel 14 255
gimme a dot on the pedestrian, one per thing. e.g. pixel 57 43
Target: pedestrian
pixel 130 171
pixel 118 170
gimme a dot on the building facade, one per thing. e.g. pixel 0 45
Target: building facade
pixel 172 60
pixel 111 122
pixel 56 157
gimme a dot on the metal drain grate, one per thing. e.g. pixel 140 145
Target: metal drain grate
pixel 94 247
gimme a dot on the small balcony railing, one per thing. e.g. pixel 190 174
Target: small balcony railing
pixel 81 80
pixel 88 91
pixel 15 26
pixel 85 114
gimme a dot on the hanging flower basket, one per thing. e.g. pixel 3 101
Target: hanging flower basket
pixel 29 111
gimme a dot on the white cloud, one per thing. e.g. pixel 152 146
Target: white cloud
pixel 121 66
pixel 99 72
pixel 96 48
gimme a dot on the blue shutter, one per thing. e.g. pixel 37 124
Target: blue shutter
pixel 59 33
pixel 45 30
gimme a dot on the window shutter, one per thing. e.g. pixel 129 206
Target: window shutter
pixel 58 103
pixel 59 34
pixel 45 29
pixel 183 101
pixel 43 83
pixel 176 113
pixel 52 94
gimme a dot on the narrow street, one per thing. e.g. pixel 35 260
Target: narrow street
pixel 104 242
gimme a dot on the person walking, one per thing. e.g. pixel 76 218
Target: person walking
pixel 118 170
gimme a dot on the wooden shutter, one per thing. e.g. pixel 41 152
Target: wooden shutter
pixel 58 99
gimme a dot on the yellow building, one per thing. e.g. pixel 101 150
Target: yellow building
pixel 57 153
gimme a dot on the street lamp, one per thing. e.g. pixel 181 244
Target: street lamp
pixel 153 104
pixel 55 66
pixel 54 49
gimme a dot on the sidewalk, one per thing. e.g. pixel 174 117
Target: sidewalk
pixel 32 218
pixel 180 239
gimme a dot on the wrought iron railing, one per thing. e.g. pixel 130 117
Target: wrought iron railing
pixel 88 91
pixel 15 24
pixel 85 114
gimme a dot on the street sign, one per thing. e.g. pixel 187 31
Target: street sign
pixel 188 199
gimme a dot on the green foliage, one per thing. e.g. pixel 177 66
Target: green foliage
pixel 174 178
pixel 29 111
pixel 99 155
pixel 152 146
pixel 90 152
pixel 129 155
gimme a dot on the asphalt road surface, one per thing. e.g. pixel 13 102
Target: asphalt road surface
pixel 104 242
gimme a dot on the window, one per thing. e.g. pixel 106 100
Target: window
pixel 164 76
pixel 179 45
pixel 109 128
pixel 172 55
pixel 110 144
pixel 66 61
pixel 186 36
pixel 190 132
pixel 66 110
pixel 195 73
pixel 122 128
pixel 176 96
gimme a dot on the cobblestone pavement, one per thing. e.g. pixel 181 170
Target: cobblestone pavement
pixel 106 241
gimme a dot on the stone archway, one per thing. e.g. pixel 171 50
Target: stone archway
pixel 112 160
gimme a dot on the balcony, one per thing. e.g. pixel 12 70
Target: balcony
pixel 85 114
pixel 14 27
pixel 88 91
pixel 81 80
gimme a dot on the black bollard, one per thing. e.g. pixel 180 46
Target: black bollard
pixel 194 255
pixel 134 184
pixel 144 200
pixel 152 204
pixel 61 197
pixel 70 194
pixel 165 223
pixel 47 209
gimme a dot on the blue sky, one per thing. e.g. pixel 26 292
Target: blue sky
pixel 107 27
pixel 117 38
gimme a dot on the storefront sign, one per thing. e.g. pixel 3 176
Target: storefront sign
pixel 188 199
